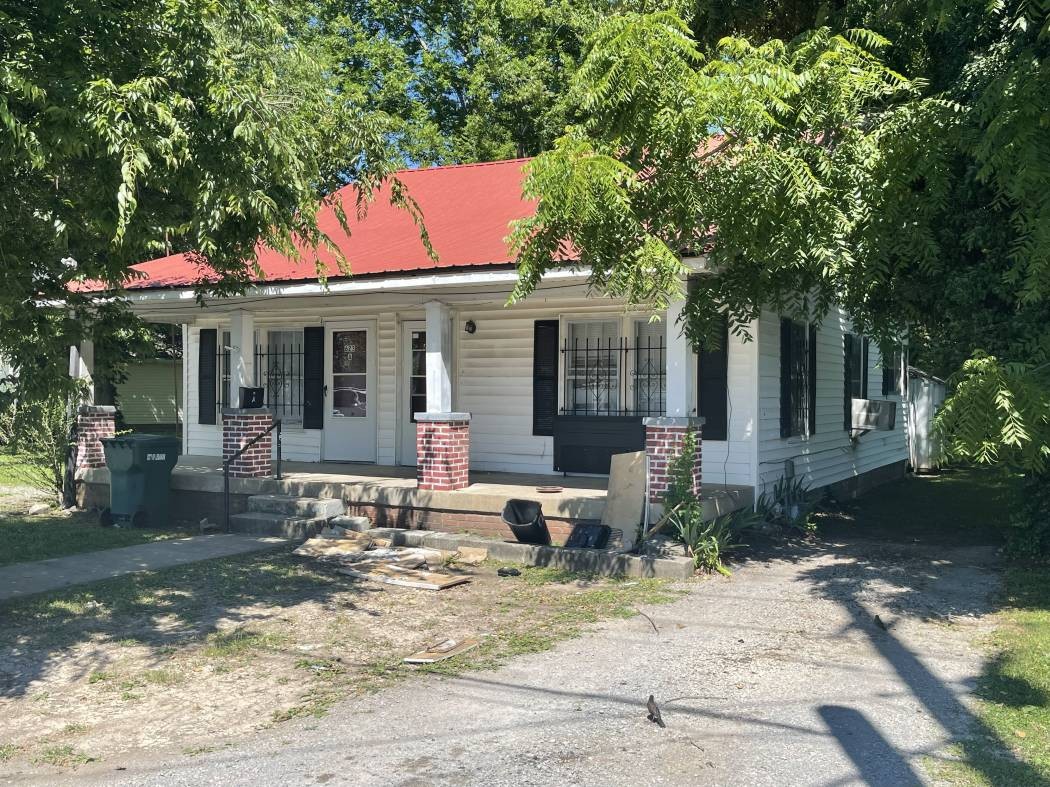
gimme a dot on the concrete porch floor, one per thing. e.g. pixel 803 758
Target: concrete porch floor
pixel 386 485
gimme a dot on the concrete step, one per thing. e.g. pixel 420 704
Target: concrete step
pixel 310 507
pixel 266 523
pixel 358 523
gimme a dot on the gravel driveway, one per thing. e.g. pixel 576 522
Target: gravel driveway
pixel 776 676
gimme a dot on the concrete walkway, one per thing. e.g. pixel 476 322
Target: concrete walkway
pixel 25 579
pixel 778 676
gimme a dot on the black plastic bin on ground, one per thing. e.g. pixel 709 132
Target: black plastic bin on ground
pixel 525 519
pixel 139 479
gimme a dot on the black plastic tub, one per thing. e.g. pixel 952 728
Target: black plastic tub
pixel 525 519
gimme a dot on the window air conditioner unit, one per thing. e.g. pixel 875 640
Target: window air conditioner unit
pixel 873 415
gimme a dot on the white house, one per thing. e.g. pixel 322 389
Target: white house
pixel 355 369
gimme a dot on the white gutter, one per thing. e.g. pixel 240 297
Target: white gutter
pixel 353 286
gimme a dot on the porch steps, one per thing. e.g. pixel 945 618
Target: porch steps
pixel 286 516
pixel 323 508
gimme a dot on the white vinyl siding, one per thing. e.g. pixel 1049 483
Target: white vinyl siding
pixel 827 456
pixel 204 439
pixel 730 461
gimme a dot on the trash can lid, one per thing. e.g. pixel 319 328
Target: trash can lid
pixel 140 438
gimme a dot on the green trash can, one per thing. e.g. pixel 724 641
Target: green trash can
pixel 139 479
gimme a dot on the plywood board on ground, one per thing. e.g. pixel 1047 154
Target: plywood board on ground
pixel 405 577
pixel 441 651
pixel 625 500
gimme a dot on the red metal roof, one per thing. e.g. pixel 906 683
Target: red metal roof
pixel 466 209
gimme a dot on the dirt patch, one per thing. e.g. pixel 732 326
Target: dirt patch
pixel 193 657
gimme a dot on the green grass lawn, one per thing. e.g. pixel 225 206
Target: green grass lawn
pixel 1014 692
pixel 39 537
pixel 959 506
pixel 53 534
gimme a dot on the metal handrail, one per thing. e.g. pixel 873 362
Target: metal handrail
pixel 276 425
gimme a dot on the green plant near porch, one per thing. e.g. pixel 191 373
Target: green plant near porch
pixel 788 506
pixel 681 487
pixel 706 542
pixel 41 433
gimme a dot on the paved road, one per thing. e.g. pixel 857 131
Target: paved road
pixel 24 579
pixel 778 676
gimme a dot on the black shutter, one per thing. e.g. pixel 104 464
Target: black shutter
pixel 712 386
pixel 812 370
pixel 206 382
pixel 313 378
pixel 847 381
pixel 544 376
pixel 864 371
pixel 785 378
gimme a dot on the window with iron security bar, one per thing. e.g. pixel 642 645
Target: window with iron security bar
pixel 279 371
pixel 612 375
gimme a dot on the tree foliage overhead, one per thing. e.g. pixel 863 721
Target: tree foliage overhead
pixel 807 164
pixel 764 157
pixel 131 130
pixel 459 80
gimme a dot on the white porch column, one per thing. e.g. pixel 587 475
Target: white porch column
pixel 665 437
pixel 442 436
pixel 82 367
pixel 439 358
pixel 242 354
pixel 681 381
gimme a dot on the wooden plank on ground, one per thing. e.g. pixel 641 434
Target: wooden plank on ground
pixel 441 651
pixel 405 577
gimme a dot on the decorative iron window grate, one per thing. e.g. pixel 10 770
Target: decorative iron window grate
pixel 279 370
pixel 614 376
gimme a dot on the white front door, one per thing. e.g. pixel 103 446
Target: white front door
pixel 413 387
pixel 350 401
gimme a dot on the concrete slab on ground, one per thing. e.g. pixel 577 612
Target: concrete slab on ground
pixel 41 576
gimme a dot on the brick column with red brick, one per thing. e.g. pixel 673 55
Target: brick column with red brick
pixel 93 423
pixel 663 442
pixel 442 451
pixel 238 428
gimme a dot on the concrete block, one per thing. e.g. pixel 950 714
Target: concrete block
pixel 296 506
pixel 262 523
pixel 356 523
pixel 599 561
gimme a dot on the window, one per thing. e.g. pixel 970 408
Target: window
pixel 798 379
pixel 610 367
pixel 592 369
pixel 417 378
pixel 891 373
pixel 349 374
pixel 650 368
pixel 279 370
pixel 857 366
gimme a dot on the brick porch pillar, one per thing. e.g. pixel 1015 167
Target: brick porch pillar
pixel 93 423
pixel 442 451
pixel 663 442
pixel 238 428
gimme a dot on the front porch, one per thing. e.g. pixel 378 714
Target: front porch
pixel 390 496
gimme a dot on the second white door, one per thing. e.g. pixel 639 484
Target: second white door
pixel 350 402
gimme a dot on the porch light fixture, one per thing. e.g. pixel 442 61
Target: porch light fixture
pixel 470 326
